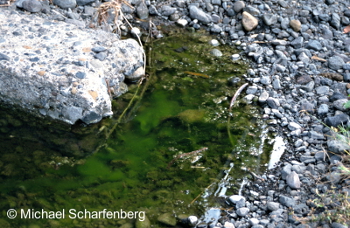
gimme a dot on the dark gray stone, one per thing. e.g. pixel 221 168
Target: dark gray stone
pixel 314 44
pixel 142 11
pixel 84 2
pixel 65 4
pixel 298 42
pixel 273 103
pixel 270 19
pixel 335 21
pixel 287 201
pixel 338 145
pixel 197 13
pixel 337 96
pixel 167 10
pixel 272 206
pixel 335 121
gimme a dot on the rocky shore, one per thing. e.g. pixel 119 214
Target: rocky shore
pixel 299 75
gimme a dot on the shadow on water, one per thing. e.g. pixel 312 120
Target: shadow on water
pixel 171 157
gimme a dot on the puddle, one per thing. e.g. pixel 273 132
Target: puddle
pixel 171 156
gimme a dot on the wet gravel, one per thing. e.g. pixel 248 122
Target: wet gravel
pixel 299 76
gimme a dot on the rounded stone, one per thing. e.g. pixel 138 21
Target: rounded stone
pixel 32 6
pixel 249 22
pixel 216 52
pixel 295 24
pixel 243 211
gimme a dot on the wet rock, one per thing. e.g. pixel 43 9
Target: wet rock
pixel 167 219
pixel 293 180
pixel 192 220
pixel 200 15
pixel 249 22
pixel 65 4
pixel 143 224
pixel 237 199
pixel 216 52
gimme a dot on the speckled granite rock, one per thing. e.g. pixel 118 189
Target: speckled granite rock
pixel 54 69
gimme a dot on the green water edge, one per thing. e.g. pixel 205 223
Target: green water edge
pixel 179 113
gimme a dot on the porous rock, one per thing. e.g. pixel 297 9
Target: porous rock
pixel 58 75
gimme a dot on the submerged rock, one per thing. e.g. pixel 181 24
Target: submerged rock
pixel 192 115
pixel 167 219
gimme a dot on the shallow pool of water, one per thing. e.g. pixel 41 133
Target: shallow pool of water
pixel 171 155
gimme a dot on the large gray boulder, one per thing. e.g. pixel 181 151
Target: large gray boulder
pixel 55 69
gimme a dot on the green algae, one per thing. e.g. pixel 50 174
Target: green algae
pixel 179 113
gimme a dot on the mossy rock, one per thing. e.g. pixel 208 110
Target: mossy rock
pixel 143 224
pixel 192 115
pixel 167 219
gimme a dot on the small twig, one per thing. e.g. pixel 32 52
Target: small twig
pixel 186 154
pixel 230 109
pixel 236 95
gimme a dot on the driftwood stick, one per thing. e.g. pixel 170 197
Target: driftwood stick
pixel 230 109
pixel 186 154
pixel 236 95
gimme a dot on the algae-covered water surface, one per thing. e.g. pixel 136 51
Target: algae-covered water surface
pixel 170 157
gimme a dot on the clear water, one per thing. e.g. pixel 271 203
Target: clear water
pixel 182 108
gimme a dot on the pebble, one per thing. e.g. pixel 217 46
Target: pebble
pixel 216 52
pixel 243 211
pixel 200 15
pixel 293 180
pixel 335 62
pixel 273 206
pixel 287 201
pixel 296 25
pixel 249 22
